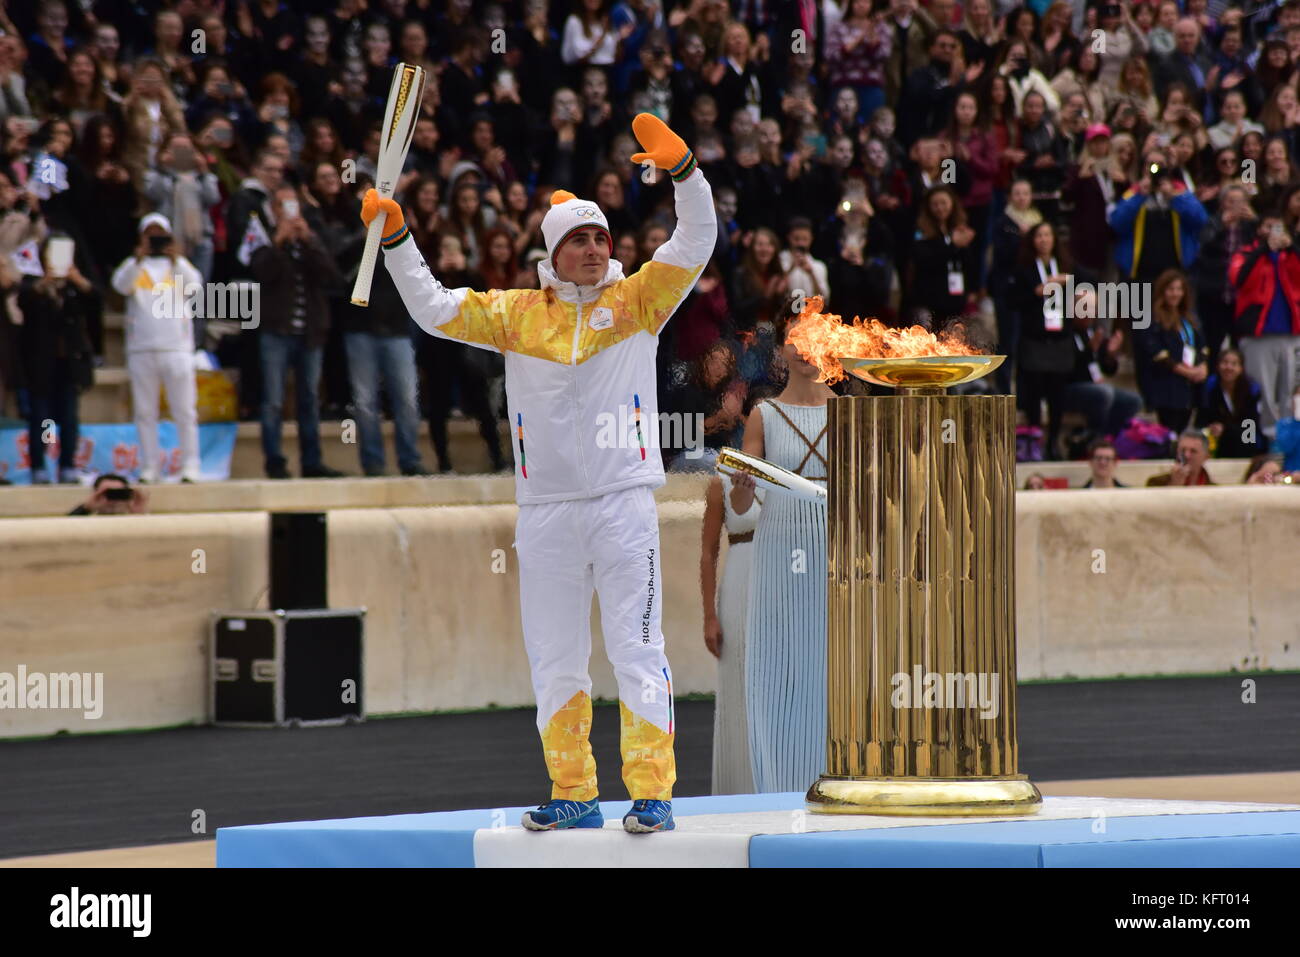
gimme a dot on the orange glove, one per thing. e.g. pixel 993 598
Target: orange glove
pixel 662 146
pixel 372 204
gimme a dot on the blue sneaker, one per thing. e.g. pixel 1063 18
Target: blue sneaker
pixel 648 816
pixel 556 815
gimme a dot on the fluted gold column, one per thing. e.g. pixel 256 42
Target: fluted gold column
pixel 921 575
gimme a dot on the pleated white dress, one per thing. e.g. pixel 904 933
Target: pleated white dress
pixel 785 664
pixel 732 773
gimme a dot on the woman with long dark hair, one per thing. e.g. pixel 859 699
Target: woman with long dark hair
pixel 338 210
pixel 64 194
pixel 1281 114
pixel 759 286
pixel 1274 67
pixel 522 217
pixel 625 251
pixel 1185 157
pixel 590 38
pixel 1277 173
pixel 500 264
pixel 785 632
pixel 972 145
pixel 1055 38
pixel 1230 409
pixel 607 187
pixel 413 45
pixel 109 233
pixel 423 214
pixel 223 96
pixel 1046 353
pixel 1171 353
pixel 945 270
pixel 83 94
pixel 467 221
pixel 998 117
pixel 320 145
pixel 1023 27
pixel 483 149
pixel 889 193
pixel 55 355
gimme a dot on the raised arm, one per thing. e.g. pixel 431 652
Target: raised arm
pixel 475 318
pixel 660 285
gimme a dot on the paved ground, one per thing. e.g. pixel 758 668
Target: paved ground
pixel 127 790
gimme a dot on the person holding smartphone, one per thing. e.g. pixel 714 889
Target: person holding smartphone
pixel 1189 462
pixel 113 495
pixel 295 272
pixel 1266 276
pixel 1157 223
pixel 160 343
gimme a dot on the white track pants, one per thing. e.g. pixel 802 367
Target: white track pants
pixel 611 544
pixel 173 371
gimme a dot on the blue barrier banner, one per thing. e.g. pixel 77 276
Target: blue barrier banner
pixel 116 448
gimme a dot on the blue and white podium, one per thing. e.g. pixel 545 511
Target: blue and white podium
pixel 774 830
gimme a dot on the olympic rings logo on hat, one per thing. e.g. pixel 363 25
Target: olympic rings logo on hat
pixel 586 212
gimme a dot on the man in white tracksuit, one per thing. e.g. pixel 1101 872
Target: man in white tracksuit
pixel 580 353
pixel 160 344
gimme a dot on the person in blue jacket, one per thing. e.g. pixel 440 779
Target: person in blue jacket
pixel 1157 224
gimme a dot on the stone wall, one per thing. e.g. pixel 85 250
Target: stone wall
pixel 1194 580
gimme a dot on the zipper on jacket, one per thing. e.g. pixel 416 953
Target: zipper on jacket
pixel 577 332
pixel 577 395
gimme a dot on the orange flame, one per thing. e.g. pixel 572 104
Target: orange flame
pixel 824 338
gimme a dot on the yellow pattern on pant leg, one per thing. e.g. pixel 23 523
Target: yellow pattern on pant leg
pixel 567 749
pixel 649 768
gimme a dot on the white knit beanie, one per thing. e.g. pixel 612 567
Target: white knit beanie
pixel 155 219
pixel 568 213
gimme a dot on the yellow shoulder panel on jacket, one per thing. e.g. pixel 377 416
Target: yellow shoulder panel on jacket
pixel 480 318
pixel 539 324
pixel 657 289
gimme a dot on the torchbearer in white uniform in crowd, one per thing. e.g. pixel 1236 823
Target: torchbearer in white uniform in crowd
pixel 155 282
pixel 580 353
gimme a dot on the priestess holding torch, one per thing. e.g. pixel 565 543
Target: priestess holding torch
pixel 785 661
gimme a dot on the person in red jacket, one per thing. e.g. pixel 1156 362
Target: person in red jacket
pixel 1266 275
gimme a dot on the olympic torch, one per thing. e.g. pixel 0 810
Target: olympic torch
pixel 395 139
pixel 768 475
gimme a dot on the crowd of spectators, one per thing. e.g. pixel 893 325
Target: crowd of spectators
pixel 916 163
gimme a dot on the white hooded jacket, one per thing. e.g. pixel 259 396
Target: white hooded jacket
pixel 160 302
pixel 580 360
